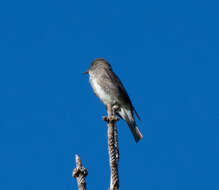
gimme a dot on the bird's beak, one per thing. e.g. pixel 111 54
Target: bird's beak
pixel 86 72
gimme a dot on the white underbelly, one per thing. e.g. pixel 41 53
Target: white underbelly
pixel 104 97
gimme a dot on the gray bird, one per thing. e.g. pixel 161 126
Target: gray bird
pixel 109 89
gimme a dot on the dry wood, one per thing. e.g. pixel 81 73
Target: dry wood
pixel 112 147
pixel 80 173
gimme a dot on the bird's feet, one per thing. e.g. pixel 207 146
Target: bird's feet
pixel 110 119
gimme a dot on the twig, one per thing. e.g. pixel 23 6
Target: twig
pixel 112 147
pixel 80 173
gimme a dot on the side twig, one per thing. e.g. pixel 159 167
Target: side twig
pixel 112 147
pixel 80 173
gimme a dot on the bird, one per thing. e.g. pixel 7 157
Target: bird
pixel 110 90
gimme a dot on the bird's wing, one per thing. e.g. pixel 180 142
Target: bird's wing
pixel 116 81
pixel 136 114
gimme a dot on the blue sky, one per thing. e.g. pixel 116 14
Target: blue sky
pixel 165 52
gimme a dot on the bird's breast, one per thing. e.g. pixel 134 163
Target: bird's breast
pixel 101 92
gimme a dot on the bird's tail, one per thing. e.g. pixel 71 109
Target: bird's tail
pixel 128 117
pixel 135 132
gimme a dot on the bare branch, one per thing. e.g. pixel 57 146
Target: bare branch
pixel 80 173
pixel 112 147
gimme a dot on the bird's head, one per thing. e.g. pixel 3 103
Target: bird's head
pixel 98 64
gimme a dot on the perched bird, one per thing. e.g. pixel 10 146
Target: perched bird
pixel 109 89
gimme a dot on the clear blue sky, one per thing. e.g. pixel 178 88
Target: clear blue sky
pixel 165 52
